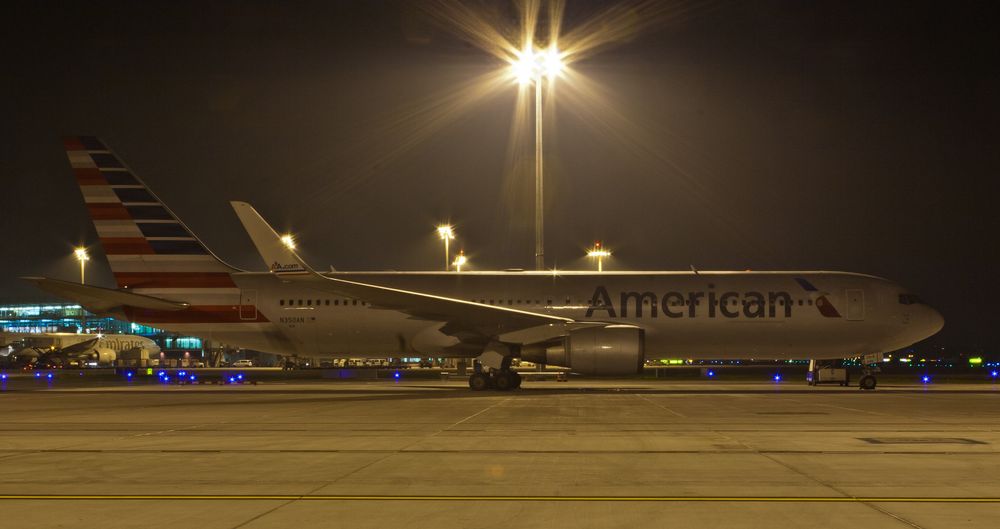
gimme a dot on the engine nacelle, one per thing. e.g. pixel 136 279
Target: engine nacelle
pixel 610 350
pixel 102 356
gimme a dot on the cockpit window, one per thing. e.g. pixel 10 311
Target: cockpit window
pixel 909 299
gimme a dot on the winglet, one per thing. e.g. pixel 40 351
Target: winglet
pixel 279 257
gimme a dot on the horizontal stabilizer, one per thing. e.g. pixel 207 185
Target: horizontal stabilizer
pixel 101 300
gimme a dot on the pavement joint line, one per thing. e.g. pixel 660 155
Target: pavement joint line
pixel 420 440
pixel 472 498
pixel 269 511
pixel 658 405
pixel 870 504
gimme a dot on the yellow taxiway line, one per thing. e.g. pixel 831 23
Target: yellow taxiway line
pixel 340 497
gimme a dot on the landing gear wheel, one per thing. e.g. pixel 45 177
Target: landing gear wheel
pixel 479 382
pixel 505 380
pixel 517 379
pixel 867 382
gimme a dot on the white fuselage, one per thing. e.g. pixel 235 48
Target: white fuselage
pixel 715 315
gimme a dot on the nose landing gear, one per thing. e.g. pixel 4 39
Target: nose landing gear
pixel 867 382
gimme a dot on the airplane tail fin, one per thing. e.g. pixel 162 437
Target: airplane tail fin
pixel 148 247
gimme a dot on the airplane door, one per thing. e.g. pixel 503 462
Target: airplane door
pixel 248 305
pixel 855 304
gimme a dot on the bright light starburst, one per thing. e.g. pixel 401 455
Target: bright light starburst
pixel 530 65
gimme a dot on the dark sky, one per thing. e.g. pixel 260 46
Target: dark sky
pixel 858 136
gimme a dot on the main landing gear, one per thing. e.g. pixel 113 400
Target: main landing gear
pixel 503 380
pixel 492 370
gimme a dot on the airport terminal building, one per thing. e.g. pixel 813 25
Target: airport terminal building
pixel 51 317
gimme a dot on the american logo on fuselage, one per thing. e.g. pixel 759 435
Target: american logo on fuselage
pixel 675 304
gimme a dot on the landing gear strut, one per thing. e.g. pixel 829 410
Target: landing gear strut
pixel 870 366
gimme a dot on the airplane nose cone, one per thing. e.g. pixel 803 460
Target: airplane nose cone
pixel 935 321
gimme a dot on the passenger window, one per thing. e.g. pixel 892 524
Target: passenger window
pixel 550 302
pixel 354 302
pixel 281 302
pixel 336 302
pixel 300 302
pixel 309 302
pixel 327 303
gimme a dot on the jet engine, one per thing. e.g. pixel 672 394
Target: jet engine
pixel 102 355
pixel 609 350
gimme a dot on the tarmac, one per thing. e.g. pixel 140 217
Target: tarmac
pixel 109 453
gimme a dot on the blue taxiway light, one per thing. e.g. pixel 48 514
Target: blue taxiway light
pixel 49 376
pixel 995 373
pixel 777 378
pixel 129 374
pixel 38 375
pixel 710 373
pixel 182 373
pixel 396 375
pixel 239 376
pixel 191 377
pixel 3 376
pixel 925 379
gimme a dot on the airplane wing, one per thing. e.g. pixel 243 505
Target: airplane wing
pixel 80 348
pixel 100 300
pixel 459 315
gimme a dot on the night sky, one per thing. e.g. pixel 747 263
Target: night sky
pixel 857 136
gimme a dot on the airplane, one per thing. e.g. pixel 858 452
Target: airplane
pixel 595 323
pixel 59 348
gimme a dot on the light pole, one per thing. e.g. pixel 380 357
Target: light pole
pixel 532 67
pixel 599 253
pixel 81 255
pixel 460 260
pixel 446 234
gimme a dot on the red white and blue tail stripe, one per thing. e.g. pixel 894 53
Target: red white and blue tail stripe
pixel 149 249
